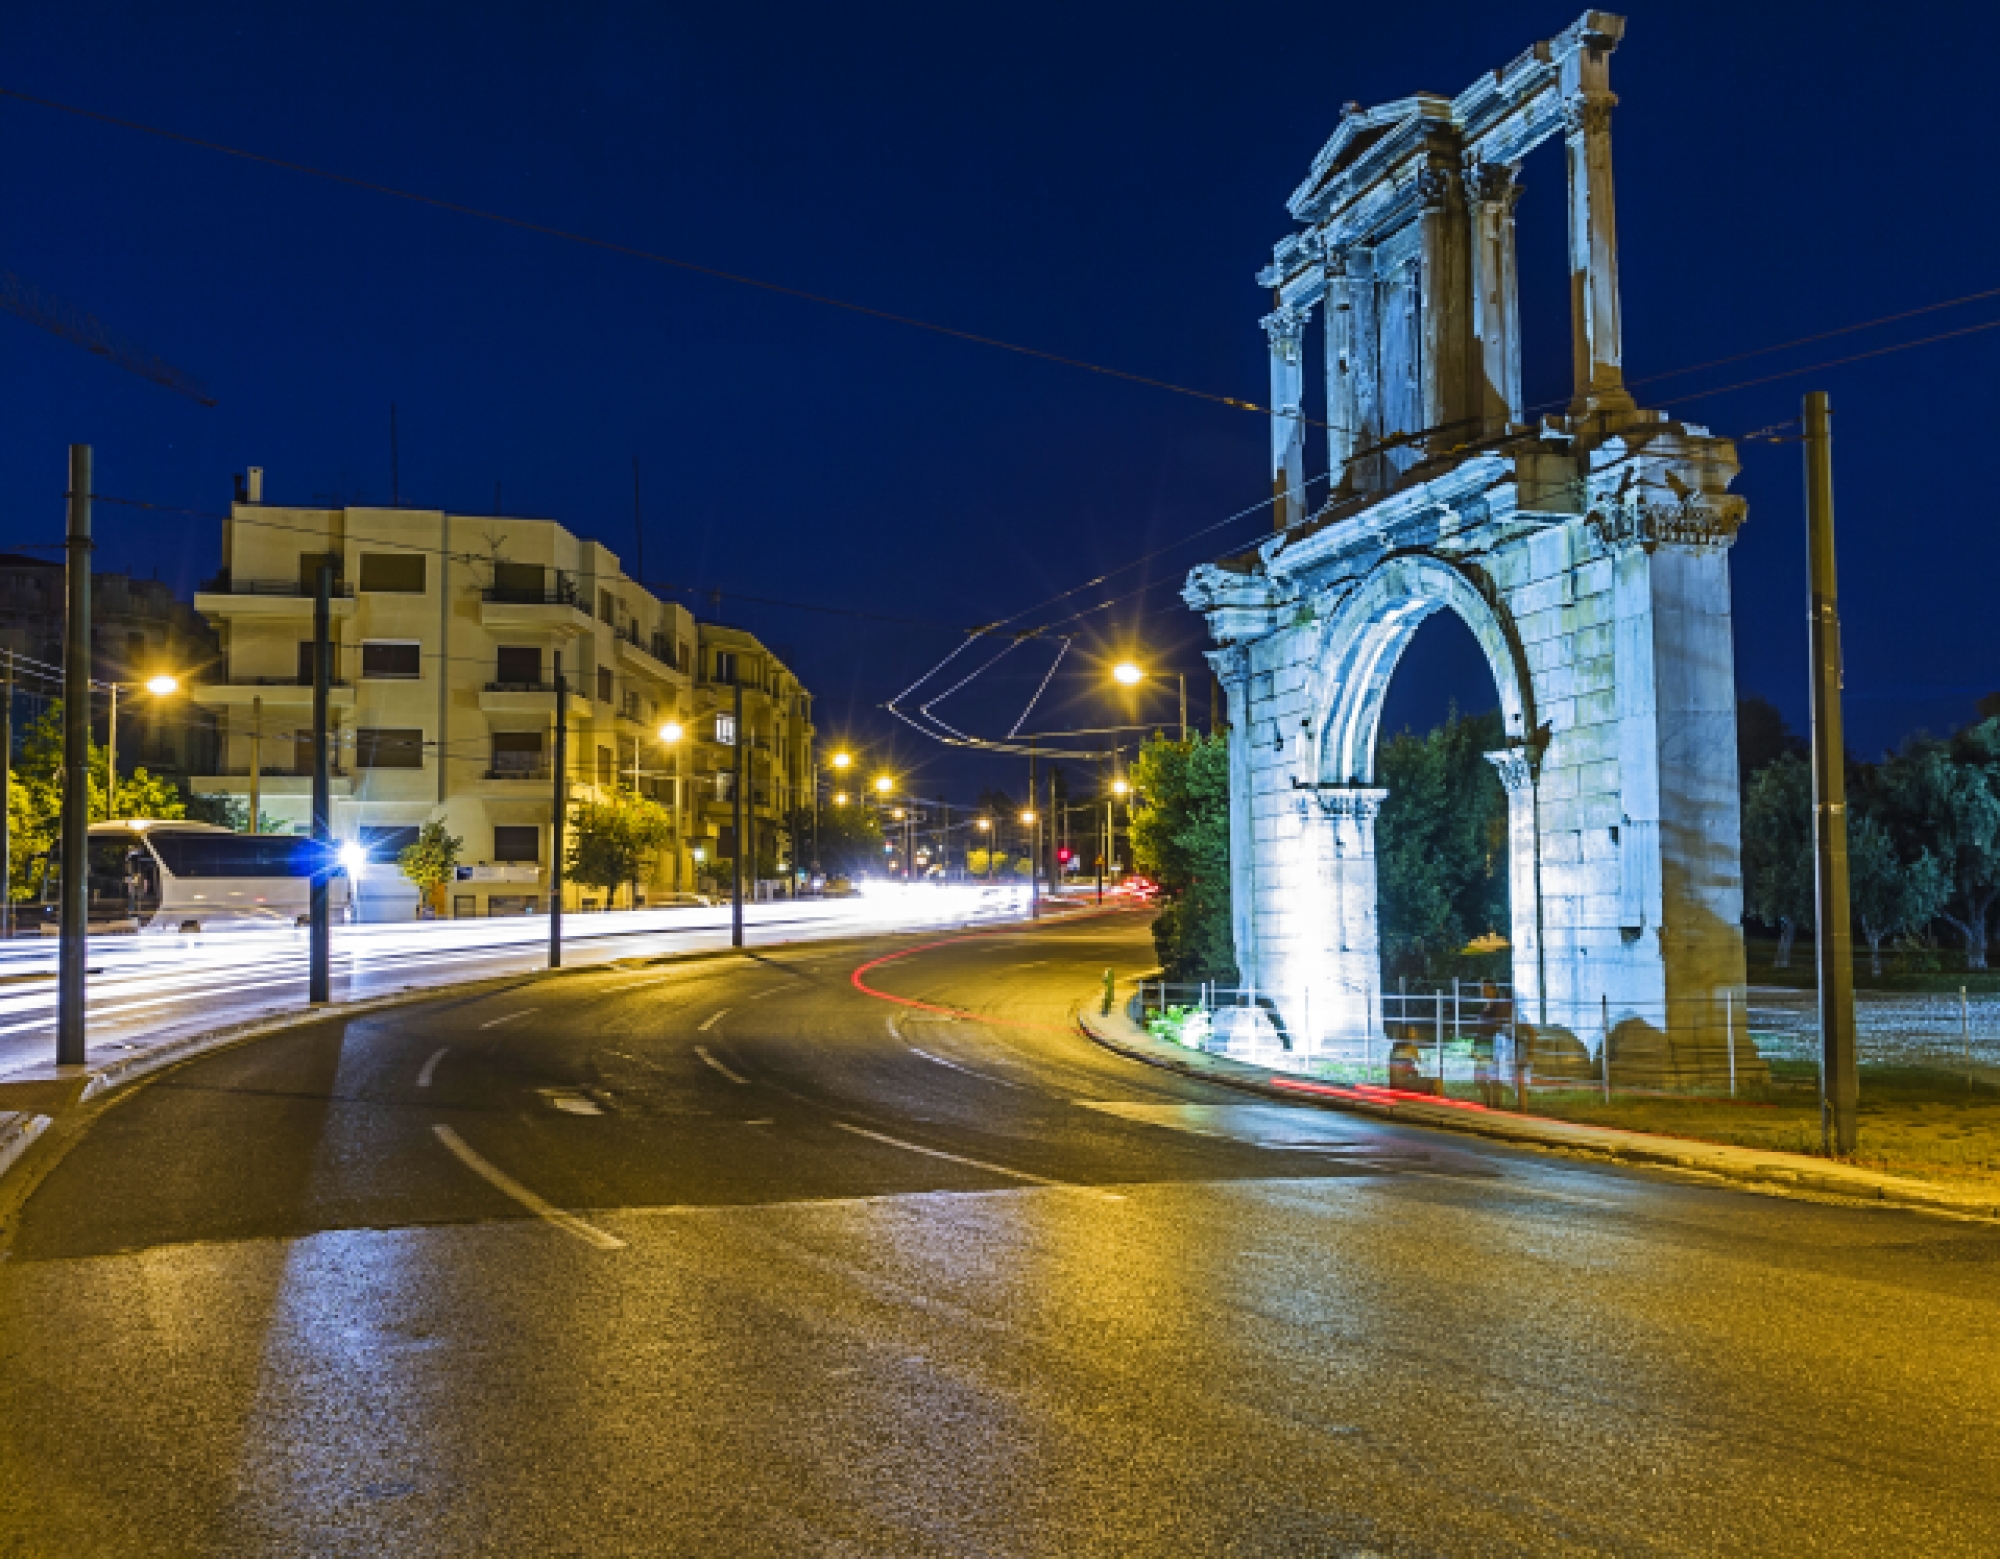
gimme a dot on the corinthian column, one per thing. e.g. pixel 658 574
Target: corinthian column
pixel 1284 327
pixel 1490 193
pixel 1442 294
pixel 1524 880
pixel 1583 55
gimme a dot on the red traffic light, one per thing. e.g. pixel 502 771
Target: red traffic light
pixel 1065 855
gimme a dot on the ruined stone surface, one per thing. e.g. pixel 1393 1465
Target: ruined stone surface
pixel 1588 554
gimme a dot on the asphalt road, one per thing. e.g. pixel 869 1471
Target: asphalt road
pixel 735 1258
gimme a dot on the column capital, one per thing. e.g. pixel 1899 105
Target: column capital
pixel 1433 187
pixel 1588 113
pixel 1231 665
pixel 1344 803
pixel 1283 328
pixel 1515 766
pixel 1492 183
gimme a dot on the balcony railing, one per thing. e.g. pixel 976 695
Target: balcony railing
pixel 561 593
pixel 291 681
pixel 522 687
pixel 274 771
pixel 223 584
pixel 510 772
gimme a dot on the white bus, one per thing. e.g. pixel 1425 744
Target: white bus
pixel 172 876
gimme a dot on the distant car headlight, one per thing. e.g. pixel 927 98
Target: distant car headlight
pixel 352 859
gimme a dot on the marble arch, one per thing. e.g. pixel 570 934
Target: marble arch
pixel 1587 551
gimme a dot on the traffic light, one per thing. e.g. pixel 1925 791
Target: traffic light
pixel 1065 855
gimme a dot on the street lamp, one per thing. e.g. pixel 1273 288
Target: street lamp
pixel 670 736
pixel 840 798
pixel 162 685
pixel 884 784
pixel 1028 819
pixel 842 759
pixel 1128 675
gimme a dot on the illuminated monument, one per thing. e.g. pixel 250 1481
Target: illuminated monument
pixel 1586 551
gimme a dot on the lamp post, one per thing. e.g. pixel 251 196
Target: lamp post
pixel 1032 820
pixel 670 736
pixel 162 686
pixel 1126 674
pixel 985 826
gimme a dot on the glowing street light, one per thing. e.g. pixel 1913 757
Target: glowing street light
pixel 840 798
pixel 671 733
pixel 842 759
pixel 884 784
pixel 162 685
pixel 1120 788
pixel 1128 674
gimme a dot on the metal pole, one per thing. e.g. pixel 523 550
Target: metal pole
pixel 1034 846
pixel 1729 1027
pixel 1604 1059
pixel 319 981
pixel 111 761
pixel 6 801
pixel 75 923
pixel 1840 1090
pixel 736 868
pixel 1183 680
pixel 257 759
pixel 560 816
pixel 1965 1034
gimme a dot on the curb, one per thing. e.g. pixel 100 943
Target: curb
pixel 1759 1168
pixel 17 1134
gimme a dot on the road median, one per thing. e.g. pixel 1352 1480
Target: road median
pixel 1752 1168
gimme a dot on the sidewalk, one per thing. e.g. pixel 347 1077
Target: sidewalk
pixel 1782 1173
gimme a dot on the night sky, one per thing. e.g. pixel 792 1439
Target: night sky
pixel 1100 185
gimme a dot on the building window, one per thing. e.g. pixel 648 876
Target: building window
pixel 725 785
pixel 631 704
pixel 527 582
pixel 309 566
pixel 391 659
pixel 725 666
pixel 384 747
pixel 519 666
pixel 393 573
pixel 604 765
pixel 517 755
pixel 306 662
pixel 385 843
pixel 515 844
pixel 603 685
pixel 725 730
pixel 607 608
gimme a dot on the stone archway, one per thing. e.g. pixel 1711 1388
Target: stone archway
pixel 1587 552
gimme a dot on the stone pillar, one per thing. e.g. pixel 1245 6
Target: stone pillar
pixel 1490 193
pixel 1597 343
pixel 1285 328
pixel 1343 403
pixel 1442 324
pixel 1329 985
pixel 1232 669
pixel 1524 879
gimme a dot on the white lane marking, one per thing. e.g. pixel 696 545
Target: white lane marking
pixel 506 1184
pixel 525 1012
pixel 430 1067
pixel 894 1033
pixel 712 1019
pixel 984 1077
pixel 574 1104
pixel 702 1051
pixel 770 991
pixel 1033 963
pixel 978 1163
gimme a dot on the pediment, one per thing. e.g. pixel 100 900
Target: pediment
pixel 1361 130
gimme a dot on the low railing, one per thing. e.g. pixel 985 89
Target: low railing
pixel 541 774
pixel 222 585
pixel 520 687
pixel 562 593
pixel 291 681
pixel 274 771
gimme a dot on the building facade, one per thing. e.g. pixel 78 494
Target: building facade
pixel 448 634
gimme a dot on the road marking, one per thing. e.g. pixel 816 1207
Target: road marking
pixel 712 1019
pixel 525 1012
pixel 702 1051
pixel 430 1067
pixel 977 1163
pixel 984 1077
pixel 505 1183
pixel 771 991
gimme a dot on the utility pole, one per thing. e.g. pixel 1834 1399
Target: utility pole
pixel 742 832
pixel 1055 865
pixel 319 979
pixel 111 761
pixel 561 816
pixel 1034 845
pixel 71 954
pixel 257 758
pixel 1839 1083
pixel 1183 680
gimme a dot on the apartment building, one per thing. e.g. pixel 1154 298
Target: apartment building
pixel 776 738
pixel 449 631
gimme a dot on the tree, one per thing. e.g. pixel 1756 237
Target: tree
pixel 431 861
pixel 1440 841
pixel 1762 737
pixel 609 840
pixel 1947 795
pixel 850 839
pixel 1778 884
pixel 1889 895
pixel 35 796
pixel 982 863
pixel 1180 839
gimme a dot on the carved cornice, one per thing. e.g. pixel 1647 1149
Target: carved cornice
pixel 1350 803
pixel 1433 187
pixel 1231 666
pixel 1588 113
pixel 1283 328
pixel 1693 522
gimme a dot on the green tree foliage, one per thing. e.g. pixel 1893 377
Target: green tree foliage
pixel 34 797
pixel 1889 893
pixel 850 839
pixel 981 863
pixel 1778 849
pixel 1180 839
pixel 431 860
pixel 1440 843
pixel 610 840
pixel 1946 797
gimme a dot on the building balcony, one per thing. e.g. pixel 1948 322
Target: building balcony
pixel 640 657
pixel 269 600
pixel 525 784
pixel 277 692
pixel 274 782
pixel 554 609
pixel 528 698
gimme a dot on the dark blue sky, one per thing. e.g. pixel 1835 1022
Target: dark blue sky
pixel 1101 184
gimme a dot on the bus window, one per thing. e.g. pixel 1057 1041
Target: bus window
pixel 233 855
